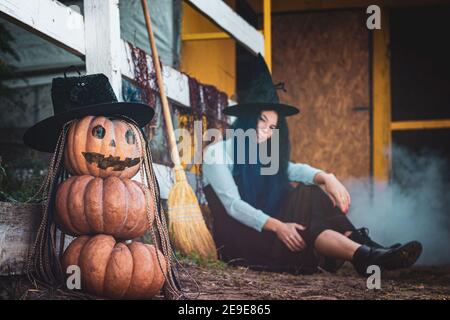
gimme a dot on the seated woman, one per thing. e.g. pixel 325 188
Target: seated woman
pixel 261 221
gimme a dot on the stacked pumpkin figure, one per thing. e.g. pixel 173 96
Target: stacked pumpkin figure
pixel 102 206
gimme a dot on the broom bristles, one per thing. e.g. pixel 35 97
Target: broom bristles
pixel 187 227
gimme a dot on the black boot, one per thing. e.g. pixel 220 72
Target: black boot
pixel 387 259
pixel 361 236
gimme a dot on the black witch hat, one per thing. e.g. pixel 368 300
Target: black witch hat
pixel 76 97
pixel 262 94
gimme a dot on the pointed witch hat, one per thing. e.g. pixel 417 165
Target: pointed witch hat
pixel 262 94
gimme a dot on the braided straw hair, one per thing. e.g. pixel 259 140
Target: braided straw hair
pixel 43 265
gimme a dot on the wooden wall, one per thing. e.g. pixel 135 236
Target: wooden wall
pixel 324 59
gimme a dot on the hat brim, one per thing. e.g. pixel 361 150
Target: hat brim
pixel 43 135
pixel 247 108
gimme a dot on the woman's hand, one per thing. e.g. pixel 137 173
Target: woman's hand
pixel 287 232
pixel 336 191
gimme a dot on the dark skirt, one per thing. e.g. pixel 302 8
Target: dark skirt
pixel 241 245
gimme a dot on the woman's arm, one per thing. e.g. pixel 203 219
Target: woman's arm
pixel 301 172
pixel 320 178
pixel 307 174
pixel 335 190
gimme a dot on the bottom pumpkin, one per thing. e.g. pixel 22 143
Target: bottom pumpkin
pixel 115 269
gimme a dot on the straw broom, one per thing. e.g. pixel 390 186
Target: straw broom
pixel 188 230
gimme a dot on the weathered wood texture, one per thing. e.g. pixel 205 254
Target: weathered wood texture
pixel 324 59
pixel 19 223
pixel 18 226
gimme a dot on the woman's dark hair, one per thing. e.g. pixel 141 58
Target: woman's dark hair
pixel 264 192
pixel 250 121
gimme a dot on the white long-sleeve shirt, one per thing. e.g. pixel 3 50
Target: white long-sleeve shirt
pixel 218 172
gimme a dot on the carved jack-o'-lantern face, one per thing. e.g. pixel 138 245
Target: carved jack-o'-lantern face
pixel 102 147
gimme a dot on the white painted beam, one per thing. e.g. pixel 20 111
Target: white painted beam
pixel 226 18
pixel 49 19
pixel 103 43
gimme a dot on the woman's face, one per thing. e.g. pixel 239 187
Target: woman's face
pixel 267 121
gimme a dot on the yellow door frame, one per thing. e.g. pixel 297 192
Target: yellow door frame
pixel 268 33
pixel 381 89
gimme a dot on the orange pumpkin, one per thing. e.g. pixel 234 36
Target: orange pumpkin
pixel 102 147
pixel 87 205
pixel 117 270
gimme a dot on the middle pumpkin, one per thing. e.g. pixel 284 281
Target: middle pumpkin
pixel 86 205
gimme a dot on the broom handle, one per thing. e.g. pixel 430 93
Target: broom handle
pixel 164 101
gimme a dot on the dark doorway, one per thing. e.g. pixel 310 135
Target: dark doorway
pixel 420 78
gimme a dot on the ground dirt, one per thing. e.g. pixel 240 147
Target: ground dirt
pixel 223 283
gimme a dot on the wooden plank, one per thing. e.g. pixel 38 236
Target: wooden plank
pixel 48 19
pixel 228 20
pixel 382 160
pixel 19 223
pixel 420 124
pixel 18 226
pixel 103 43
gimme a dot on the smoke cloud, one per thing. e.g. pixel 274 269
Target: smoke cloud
pixel 415 206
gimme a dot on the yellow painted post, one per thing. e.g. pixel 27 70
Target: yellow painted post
pixel 268 33
pixel 382 161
